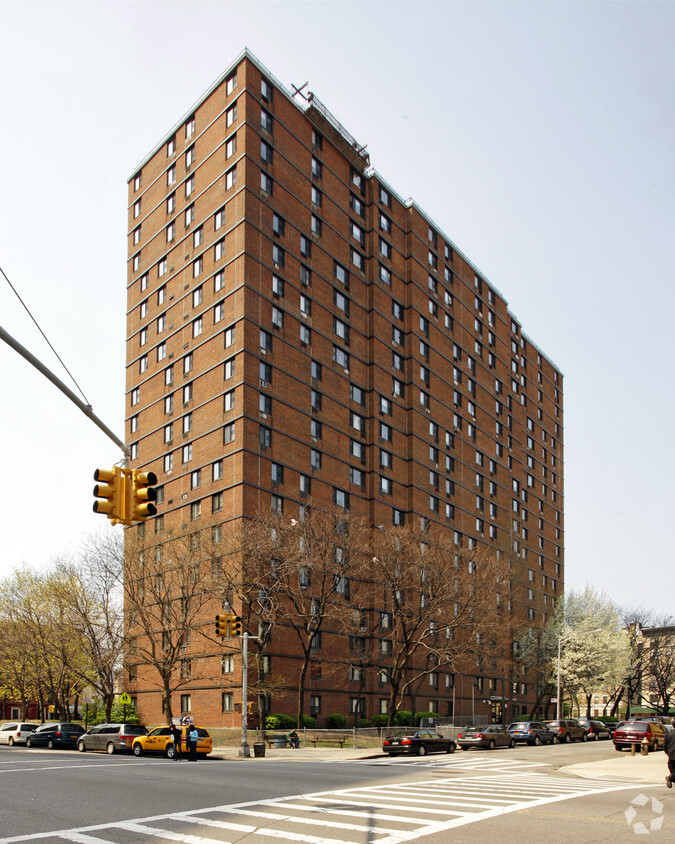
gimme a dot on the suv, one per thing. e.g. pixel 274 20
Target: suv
pixel 62 734
pixel 533 732
pixel 110 737
pixel 16 732
pixel 634 732
pixel 567 730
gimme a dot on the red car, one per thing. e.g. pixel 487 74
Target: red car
pixel 634 732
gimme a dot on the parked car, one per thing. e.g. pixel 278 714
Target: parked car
pixel 633 732
pixel 16 732
pixel 611 726
pixel 61 734
pixel 110 737
pixel 419 743
pixel 160 740
pixel 567 730
pixel 489 737
pixel 532 732
pixel 595 729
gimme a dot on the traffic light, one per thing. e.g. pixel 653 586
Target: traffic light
pixel 142 495
pixel 221 625
pixel 110 491
pixel 235 626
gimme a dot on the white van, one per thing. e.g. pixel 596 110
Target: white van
pixel 16 732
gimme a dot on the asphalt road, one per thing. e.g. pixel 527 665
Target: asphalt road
pixel 478 796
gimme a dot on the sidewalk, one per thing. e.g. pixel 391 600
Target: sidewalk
pixel 303 754
pixel 648 769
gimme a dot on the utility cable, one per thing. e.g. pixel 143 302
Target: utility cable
pixel 16 293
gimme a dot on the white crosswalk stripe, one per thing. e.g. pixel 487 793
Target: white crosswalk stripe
pixel 467 762
pixel 378 814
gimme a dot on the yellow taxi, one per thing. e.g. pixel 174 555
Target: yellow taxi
pixel 204 743
pixel 158 740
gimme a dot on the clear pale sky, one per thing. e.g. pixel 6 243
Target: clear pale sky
pixel 544 139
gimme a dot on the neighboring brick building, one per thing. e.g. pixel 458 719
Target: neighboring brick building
pixel 294 327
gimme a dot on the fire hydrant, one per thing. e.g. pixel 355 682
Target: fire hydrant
pixel 644 746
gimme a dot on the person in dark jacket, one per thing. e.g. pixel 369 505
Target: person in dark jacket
pixel 669 747
pixel 192 736
pixel 177 733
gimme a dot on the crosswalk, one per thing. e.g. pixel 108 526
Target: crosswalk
pixel 463 761
pixel 377 814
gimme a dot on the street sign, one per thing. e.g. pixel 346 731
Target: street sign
pixel 125 700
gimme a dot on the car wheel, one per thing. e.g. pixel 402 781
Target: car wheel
pixel 421 750
pixel 170 751
pixel 110 748
pixel 595 737
pixel 10 742
pixel 465 748
pixel 81 746
pixel 27 742
pixel 138 749
pixel 653 747
pixel 584 737
pixel 568 738
pixel 555 740
pixel 512 743
pixel 451 747
pixel 537 741
pixel 50 744
pixel 618 747
pixel 491 744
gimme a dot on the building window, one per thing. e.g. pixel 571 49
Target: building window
pixel 340 498
pixel 186 703
pixel 266 183
pixel 317 168
pixel 228 433
pixel 315 459
pixel 277 505
pixel 266 153
pixel 227 702
pixel 266 121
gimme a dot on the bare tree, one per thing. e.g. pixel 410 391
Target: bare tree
pixel 164 595
pixel 436 605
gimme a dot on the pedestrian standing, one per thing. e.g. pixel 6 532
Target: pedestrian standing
pixel 177 734
pixel 193 736
pixel 669 747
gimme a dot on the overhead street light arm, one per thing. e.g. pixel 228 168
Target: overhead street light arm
pixel 85 408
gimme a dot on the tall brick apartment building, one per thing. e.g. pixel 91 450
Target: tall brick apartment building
pixel 297 330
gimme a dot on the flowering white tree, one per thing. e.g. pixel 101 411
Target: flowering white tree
pixel 595 649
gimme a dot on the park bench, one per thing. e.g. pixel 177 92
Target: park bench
pixel 336 739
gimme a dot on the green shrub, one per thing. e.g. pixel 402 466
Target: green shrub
pixel 337 721
pixel 379 720
pixel 272 722
pixel 420 715
pixel 363 722
pixel 308 721
pixel 402 718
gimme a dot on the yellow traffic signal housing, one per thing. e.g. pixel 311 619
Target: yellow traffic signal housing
pixel 235 626
pixel 142 495
pixel 110 492
pixel 222 620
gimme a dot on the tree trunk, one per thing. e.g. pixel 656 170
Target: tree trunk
pixel 301 684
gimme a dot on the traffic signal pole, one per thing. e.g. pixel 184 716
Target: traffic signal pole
pixel 244 750
pixel 85 408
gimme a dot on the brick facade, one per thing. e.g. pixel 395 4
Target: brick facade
pixel 279 288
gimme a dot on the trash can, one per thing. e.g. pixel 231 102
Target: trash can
pixel 258 748
pixel 280 741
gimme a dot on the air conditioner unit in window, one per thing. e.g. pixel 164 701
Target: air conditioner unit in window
pixel 263 383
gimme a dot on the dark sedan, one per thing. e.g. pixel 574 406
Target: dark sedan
pixel 596 729
pixel 61 734
pixel 419 743
pixel 532 732
pixel 489 737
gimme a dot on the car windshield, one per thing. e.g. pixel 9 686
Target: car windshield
pixel 637 728
pixel 517 726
